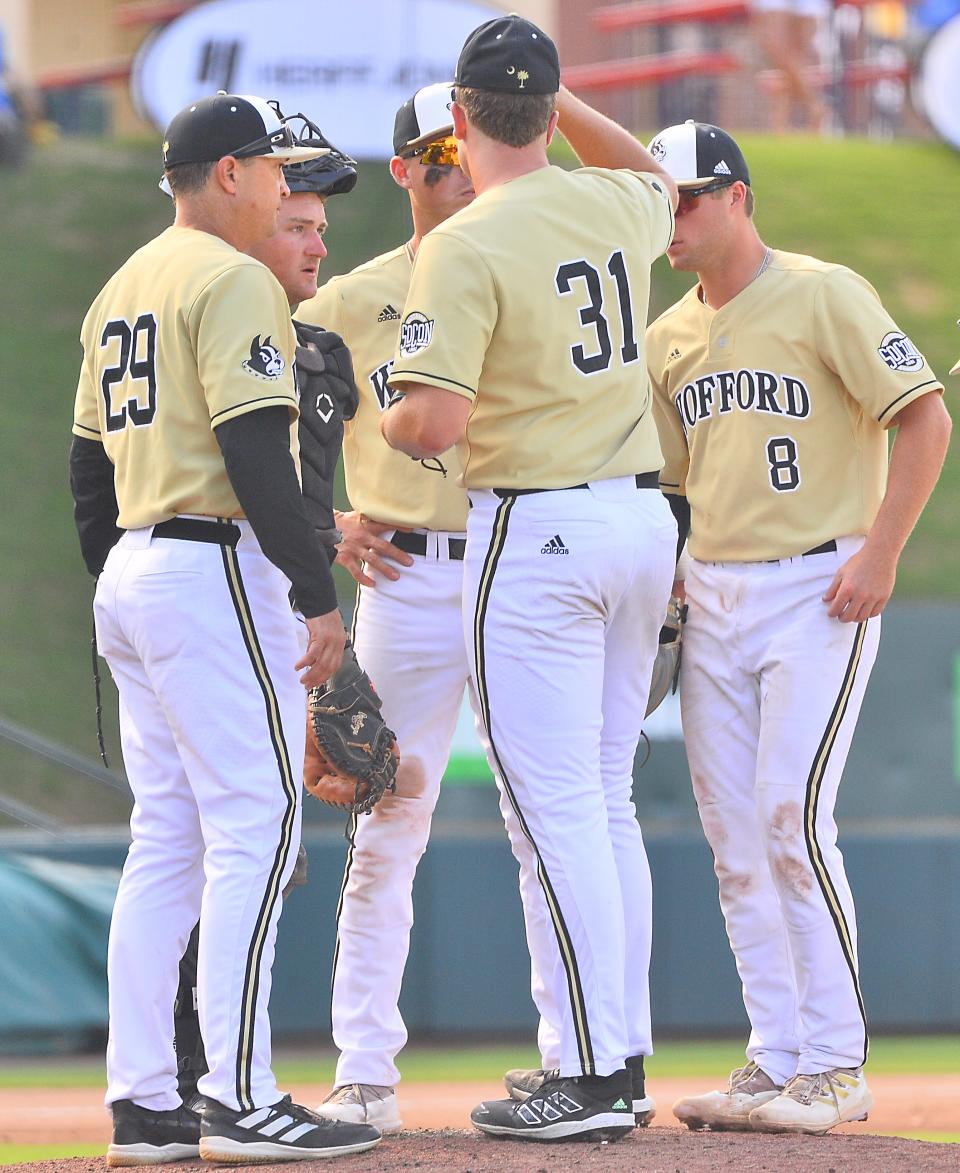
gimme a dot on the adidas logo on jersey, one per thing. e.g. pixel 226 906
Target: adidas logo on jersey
pixel 673 355
pixel 388 314
pixel 554 546
pixel 721 168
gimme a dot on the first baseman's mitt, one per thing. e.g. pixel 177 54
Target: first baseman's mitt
pixel 352 757
pixel 666 666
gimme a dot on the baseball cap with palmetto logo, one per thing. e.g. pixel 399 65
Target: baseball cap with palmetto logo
pixel 241 125
pixel 698 155
pixel 509 55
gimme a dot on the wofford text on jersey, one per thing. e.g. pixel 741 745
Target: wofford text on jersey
pixel 744 390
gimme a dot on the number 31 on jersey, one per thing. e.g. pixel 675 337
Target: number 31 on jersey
pixel 592 315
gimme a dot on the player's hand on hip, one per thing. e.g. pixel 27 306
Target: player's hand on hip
pixel 862 586
pixel 324 650
pixel 363 548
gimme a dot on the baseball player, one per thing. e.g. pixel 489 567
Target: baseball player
pixel 403 541
pixel 184 441
pixel 520 341
pixel 776 378
pixel 293 254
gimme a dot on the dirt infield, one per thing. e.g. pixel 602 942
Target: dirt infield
pixel 437 1136
pixel 653 1150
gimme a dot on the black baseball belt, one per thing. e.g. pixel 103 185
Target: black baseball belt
pixel 829 547
pixel 417 544
pixel 195 529
pixel 644 480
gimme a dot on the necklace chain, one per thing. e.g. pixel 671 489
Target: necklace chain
pixel 764 264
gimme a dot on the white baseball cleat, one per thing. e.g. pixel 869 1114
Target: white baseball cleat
pixel 816 1103
pixel 363 1103
pixel 729 1111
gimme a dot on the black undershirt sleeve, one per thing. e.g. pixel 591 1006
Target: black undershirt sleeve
pixel 680 508
pixel 256 452
pixel 95 507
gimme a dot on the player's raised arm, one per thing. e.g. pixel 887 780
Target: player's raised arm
pixel 598 141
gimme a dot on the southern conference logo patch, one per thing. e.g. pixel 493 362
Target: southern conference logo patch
pixel 899 353
pixel 265 361
pixel 416 333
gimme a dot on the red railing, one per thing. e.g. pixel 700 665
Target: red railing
pixel 613 75
pixel 627 16
pixel 616 17
pixel 662 67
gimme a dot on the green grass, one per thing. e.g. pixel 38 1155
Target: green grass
pixel 891 1055
pixel 420 1064
pixel 78 209
pixel 11 1154
pixel 935 1137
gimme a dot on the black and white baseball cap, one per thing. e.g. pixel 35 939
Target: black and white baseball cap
pixel 422 117
pixel 509 55
pixel 241 125
pixel 696 154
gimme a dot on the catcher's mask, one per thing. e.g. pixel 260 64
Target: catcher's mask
pixel 331 174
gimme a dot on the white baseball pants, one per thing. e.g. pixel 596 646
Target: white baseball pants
pixel 201 643
pixel 409 638
pixel 771 690
pixel 564 596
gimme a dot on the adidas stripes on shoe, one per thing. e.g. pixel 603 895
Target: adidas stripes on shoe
pixel 576 1107
pixel 522 1082
pixel 816 1103
pixel 283 1132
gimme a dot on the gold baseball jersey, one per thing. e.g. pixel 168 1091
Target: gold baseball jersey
pixel 772 410
pixel 186 335
pixel 363 307
pixel 531 302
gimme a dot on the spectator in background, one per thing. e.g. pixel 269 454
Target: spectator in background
pixel 785 32
pixel 13 132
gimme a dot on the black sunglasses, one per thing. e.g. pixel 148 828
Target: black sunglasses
pixel 264 145
pixel 693 193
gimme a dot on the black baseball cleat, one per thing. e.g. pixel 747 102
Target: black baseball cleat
pixel 587 1107
pixel 522 1082
pixel 283 1132
pixel 644 1109
pixel 142 1136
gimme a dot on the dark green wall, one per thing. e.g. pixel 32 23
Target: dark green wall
pixel 899 815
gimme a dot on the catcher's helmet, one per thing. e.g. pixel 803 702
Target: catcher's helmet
pixel 331 174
